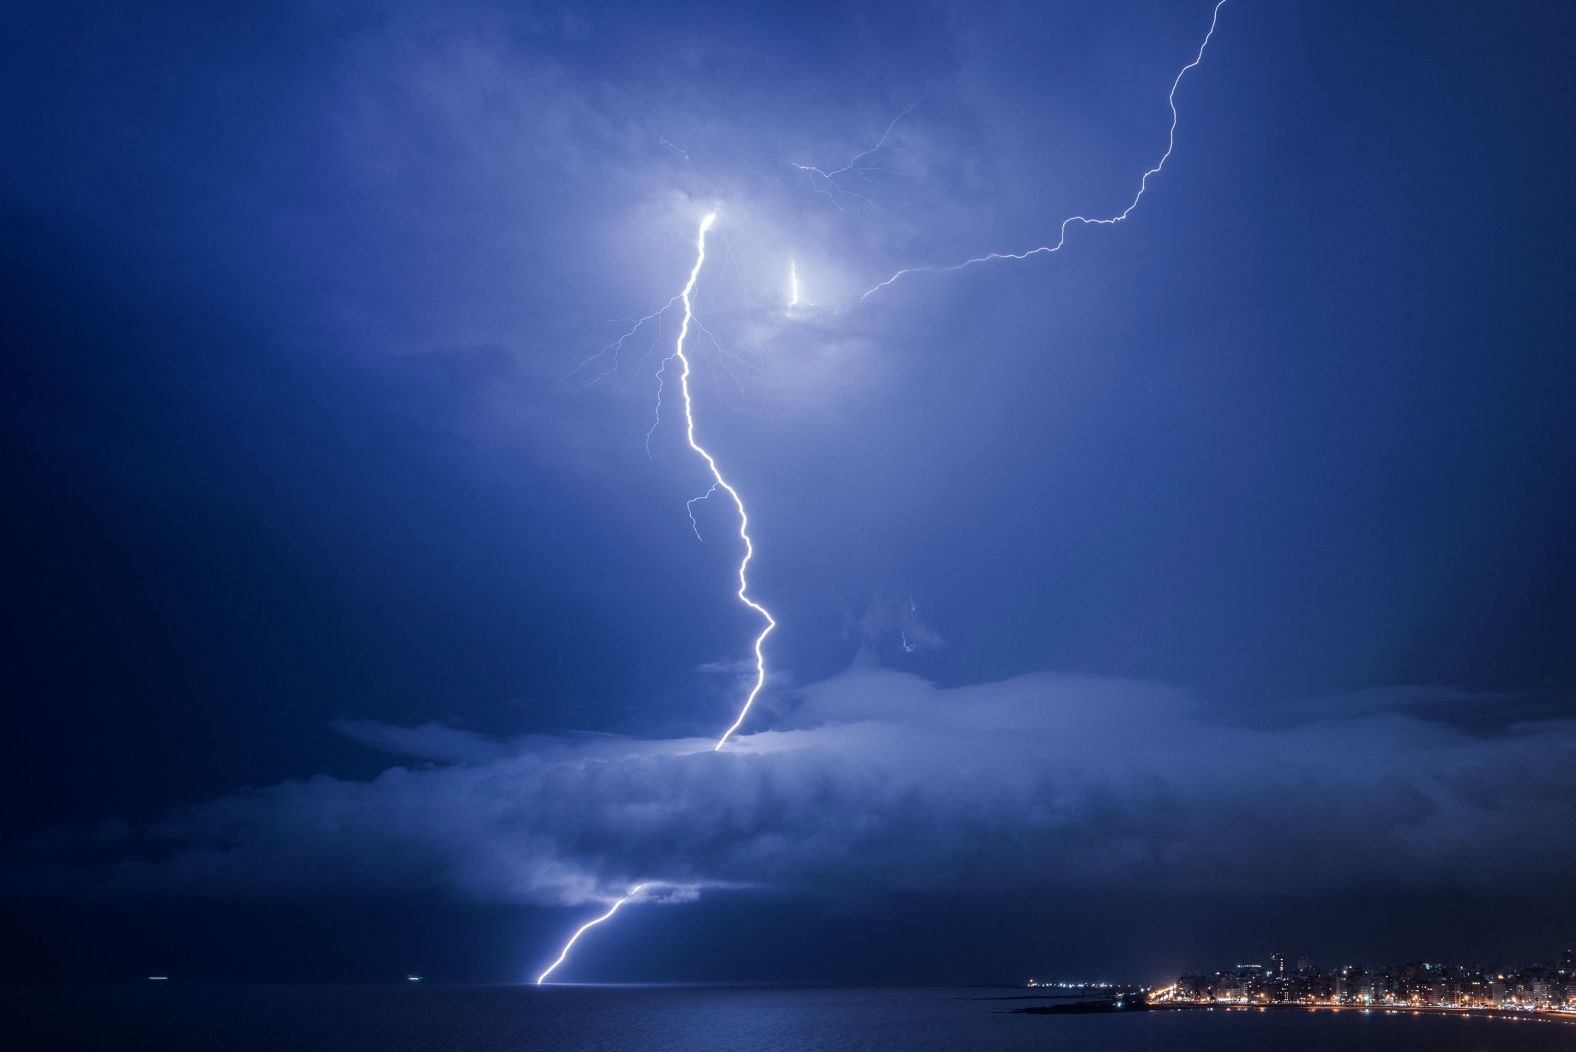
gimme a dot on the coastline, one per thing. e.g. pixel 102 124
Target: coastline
pixel 1107 1008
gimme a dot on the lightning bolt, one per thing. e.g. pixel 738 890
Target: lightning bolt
pixel 718 481
pixel 1143 185
pixel 686 298
pixel 587 926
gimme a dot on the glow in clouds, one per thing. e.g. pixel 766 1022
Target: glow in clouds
pixel 1143 184
pixel 588 925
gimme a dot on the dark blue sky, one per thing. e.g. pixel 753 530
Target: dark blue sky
pixel 1234 539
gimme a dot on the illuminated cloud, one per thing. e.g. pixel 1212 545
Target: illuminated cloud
pixel 883 782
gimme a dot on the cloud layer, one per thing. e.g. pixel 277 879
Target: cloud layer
pixel 881 782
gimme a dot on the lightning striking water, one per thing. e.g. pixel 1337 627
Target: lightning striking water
pixel 686 297
pixel 1143 185
pixel 587 926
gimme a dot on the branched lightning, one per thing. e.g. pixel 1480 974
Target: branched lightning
pixel 1143 185
pixel 689 506
pixel 587 926
pixel 723 357
pixel 618 345
pixel 825 182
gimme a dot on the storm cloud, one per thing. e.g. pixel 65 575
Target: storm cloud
pixel 882 782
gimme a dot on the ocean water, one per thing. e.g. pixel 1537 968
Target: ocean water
pixel 427 1018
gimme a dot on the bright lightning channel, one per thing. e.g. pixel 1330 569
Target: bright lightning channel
pixel 719 482
pixel 686 297
pixel 1143 185
pixel 587 926
pixel 793 282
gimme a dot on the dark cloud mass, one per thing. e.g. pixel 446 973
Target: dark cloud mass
pixel 881 783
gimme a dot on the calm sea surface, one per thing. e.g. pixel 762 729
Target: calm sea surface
pixel 712 1019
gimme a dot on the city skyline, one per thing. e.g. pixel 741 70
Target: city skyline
pixel 1543 991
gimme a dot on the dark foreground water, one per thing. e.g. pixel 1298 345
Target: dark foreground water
pixel 707 1019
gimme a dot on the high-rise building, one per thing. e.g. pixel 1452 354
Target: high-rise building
pixel 1278 962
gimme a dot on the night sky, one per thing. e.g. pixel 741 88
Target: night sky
pixel 1204 589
